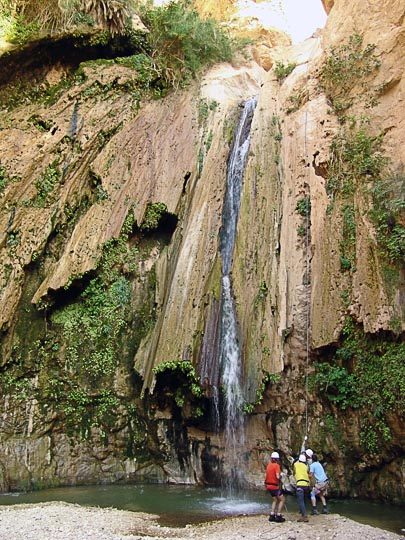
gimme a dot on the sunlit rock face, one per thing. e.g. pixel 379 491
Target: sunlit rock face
pixel 265 39
pixel 118 156
pixel 256 21
pixel 328 5
pixel 220 11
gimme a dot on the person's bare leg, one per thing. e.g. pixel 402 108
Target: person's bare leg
pixel 281 500
pixel 323 501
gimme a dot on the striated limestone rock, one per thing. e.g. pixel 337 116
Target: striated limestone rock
pixel 188 263
pixel 157 180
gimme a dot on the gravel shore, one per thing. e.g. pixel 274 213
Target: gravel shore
pixel 63 521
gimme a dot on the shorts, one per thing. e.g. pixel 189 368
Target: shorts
pixel 275 492
pixel 321 488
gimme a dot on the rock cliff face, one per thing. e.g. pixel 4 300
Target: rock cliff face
pixel 111 209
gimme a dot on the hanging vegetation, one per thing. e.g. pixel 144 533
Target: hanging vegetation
pixel 367 373
pixel 181 42
pixel 21 20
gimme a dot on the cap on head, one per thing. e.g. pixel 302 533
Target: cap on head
pixel 275 455
pixel 309 452
pixel 302 458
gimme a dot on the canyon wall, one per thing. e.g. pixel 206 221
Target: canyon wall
pixel 111 209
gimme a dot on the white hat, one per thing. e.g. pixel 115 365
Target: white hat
pixel 309 452
pixel 302 458
pixel 275 455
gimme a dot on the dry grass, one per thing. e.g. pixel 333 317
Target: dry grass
pixel 111 14
pixel 57 15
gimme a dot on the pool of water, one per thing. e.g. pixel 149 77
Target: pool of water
pixel 178 505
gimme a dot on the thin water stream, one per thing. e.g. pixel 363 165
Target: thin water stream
pixel 178 505
pixel 230 361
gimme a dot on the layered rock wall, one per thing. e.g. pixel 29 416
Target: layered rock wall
pixel 81 177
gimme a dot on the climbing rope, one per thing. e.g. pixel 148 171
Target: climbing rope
pixel 307 251
pixel 307 274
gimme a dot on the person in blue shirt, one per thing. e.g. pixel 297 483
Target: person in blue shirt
pixel 320 489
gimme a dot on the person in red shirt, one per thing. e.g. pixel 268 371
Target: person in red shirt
pixel 272 483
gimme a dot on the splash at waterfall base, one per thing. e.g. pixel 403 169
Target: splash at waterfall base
pixel 61 521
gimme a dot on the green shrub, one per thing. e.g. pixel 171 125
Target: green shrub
pixel 367 372
pixel 181 367
pixel 84 411
pixel 267 379
pixel 345 67
pixel 297 100
pixel 6 179
pixel 348 243
pixel 356 157
pixel 336 383
pixel 153 214
pixel 178 382
pixel 303 206
pixel 93 325
pixel 388 215
pixel 204 109
pixel 282 70
pixel 261 295
pixel 142 63
pixel 21 31
pixel 46 184
pixel 181 43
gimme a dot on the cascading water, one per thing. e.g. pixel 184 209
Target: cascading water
pixel 230 361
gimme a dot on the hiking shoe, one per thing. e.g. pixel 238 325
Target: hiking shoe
pixel 303 519
pixel 315 512
pixel 325 510
pixel 280 518
pixel 272 517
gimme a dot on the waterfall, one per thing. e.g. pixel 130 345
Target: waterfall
pixel 230 359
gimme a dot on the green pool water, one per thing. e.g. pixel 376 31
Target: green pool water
pixel 178 505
